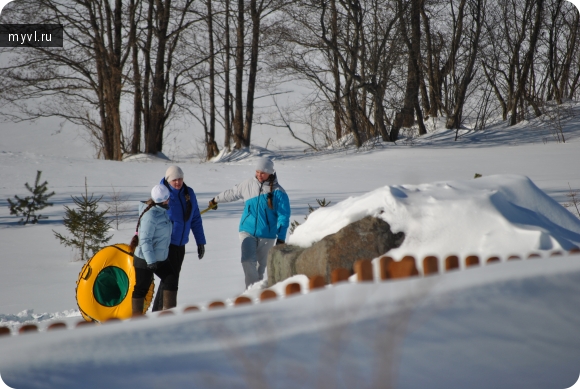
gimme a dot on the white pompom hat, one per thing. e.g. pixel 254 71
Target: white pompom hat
pixel 159 194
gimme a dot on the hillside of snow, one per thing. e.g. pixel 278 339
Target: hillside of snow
pixel 505 325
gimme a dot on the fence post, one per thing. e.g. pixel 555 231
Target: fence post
pixel 166 312
pixel 56 326
pixel 384 262
pixel 5 331
pixel 316 282
pixel 492 260
pixel 28 328
pixel 471 260
pixel 268 294
pixel 293 288
pixel 84 324
pixel 430 265
pixel 339 275
pixel 404 268
pixel 216 304
pixel 451 262
pixel 364 270
pixel 191 308
pixel 240 300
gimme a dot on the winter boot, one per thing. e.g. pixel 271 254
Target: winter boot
pixel 138 306
pixel 169 299
pixel 158 301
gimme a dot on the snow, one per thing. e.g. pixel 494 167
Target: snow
pixel 509 213
pixel 508 324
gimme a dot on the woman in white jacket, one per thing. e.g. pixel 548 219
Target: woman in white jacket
pixel 265 219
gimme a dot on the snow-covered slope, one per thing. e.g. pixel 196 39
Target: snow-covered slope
pixel 510 324
pixel 505 325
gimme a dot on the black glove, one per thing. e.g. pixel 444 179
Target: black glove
pixel 200 251
pixel 280 241
pixel 212 204
pixel 152 266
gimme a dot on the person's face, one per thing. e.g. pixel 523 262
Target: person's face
pixel 177 183
pixel 262 176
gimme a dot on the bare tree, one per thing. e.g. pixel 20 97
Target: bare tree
pixel 239 103
pixel 210 143
pixel 227 91
pixel 476 10
pixel 513 32
pixel 409 16
pixel 562 41
pixel 81 82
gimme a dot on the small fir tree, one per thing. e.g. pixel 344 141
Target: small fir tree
pixel 27 206
pixel 86 224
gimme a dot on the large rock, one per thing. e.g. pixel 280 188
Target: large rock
pixel 367 238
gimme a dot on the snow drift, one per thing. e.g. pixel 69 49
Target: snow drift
pixel 492 216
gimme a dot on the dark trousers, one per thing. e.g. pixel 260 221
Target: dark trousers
pixel 175 260
pixel 168 271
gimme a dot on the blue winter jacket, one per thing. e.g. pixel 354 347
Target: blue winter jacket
pixel 154 234
pixel 258 219
pixel 177 213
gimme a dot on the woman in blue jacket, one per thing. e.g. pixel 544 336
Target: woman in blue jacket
pixel 185 216
pixel 265 219
pixel 151 245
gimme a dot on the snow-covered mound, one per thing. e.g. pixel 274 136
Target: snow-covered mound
pixel 491 216
pixel 41 319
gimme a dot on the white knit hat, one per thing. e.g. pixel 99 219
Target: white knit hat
pixel 159 194
pixel 265 165
pixel 173 173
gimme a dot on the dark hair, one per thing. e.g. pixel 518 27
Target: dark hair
pixel 271 194
pixel 135 240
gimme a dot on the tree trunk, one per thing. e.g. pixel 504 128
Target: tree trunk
pixel 227 92
pixel 335 71
pixel 431 69
pixel 211 145
pixel 406 118
pixel 454 120
pixel 155 139
pixel 238 118
pixel 528 61
pixel 137 94
pixel 255 14
pixel 108 61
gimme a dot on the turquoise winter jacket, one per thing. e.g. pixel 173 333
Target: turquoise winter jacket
pixel 258 219
pixel 154 234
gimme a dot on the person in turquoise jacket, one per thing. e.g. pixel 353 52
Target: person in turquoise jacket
pixel 265 219
pixel 151 245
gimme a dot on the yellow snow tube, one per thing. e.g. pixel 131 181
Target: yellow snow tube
pixel 105 285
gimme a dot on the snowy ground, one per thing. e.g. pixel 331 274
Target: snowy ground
pixel 503 325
